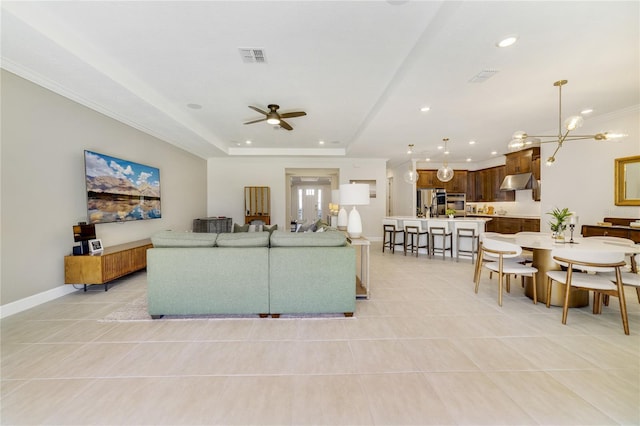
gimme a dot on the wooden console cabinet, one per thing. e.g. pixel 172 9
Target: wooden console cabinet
pixel 101 268
pixel 612 231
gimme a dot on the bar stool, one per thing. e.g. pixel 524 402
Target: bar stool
pixel 413 230
pixel 467 239
pixel 439 235
pixel 390 229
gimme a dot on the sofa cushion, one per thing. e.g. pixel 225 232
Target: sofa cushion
pixel 308 239
pixel 243 239
pixel 183 239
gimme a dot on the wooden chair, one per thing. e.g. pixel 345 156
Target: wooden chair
pixel 467 239
pixel 507 264
pixel 412 233
pixel 440 237
pixel 578 264
pixel 390 233
pixel 630 275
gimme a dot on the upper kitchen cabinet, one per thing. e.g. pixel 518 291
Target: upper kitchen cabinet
pixel 471 185
pixel 523 161
pixel 459 182
pixel 428 179
pixel 487 185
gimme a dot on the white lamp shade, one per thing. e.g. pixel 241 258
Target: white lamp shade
pixel 354 194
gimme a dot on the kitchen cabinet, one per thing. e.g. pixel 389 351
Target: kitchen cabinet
pixel 512 225
pixel 471 186
pixel 428 179
pixel 522 161
pixel 498 195
pixel 459 182
pixel 487 185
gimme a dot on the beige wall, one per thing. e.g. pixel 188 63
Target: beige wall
pixel 42 191
pixel 227 178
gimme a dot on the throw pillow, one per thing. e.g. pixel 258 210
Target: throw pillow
pixel 240 228
pixel 270 229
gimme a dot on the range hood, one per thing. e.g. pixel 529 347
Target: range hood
pixel 515 182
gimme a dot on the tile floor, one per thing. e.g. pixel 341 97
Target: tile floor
pixel 423 350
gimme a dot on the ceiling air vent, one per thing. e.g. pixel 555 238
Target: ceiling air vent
pixel 483 76
pixel 252 55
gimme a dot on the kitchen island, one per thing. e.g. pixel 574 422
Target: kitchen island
pixel 454 222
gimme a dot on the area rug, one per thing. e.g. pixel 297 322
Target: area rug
pixel 136 310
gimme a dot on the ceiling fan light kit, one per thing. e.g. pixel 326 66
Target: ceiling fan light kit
pixel 520 138
pixel 275 118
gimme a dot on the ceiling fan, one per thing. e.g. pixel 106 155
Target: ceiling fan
pixel 272 117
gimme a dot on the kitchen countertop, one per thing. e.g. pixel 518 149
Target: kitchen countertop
pixel 514 216
pixel 455 219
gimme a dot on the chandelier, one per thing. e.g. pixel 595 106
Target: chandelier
pixel 520 138
pixel 445 173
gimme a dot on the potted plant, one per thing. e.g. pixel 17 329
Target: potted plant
pixel 558 225
pixel 450 213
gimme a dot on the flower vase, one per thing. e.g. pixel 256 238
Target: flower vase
pixel 558 236
pixel 450 216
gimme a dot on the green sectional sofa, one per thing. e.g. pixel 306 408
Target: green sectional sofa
pixel 250 273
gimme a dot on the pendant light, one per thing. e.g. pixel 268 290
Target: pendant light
pixel 445 173
pixel 410 176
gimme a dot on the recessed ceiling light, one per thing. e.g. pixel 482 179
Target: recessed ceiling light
pixel 425 108
pixel 472 142
pixel 440 146
pixel 248 142
pixel 468 159
pixel 427 159
pixel 446 153
pixel 494 152
pixel 586 111
pixel 194 106
pixel 321 142
pixel 507 41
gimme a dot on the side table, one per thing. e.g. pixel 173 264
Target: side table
pixel 363 287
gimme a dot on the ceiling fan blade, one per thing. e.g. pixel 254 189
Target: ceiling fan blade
pixel 285 125
pixel 293 114
pixel 258 110
pixel 256 121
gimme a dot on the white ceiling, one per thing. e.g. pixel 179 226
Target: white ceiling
pixel 361 70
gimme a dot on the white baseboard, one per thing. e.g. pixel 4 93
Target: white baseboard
pixel 35 300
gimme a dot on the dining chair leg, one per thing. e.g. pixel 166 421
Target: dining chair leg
pixel 623 302
pixel 638 293
pixel 549 284
pixel 565 306
pixel 500 278
pixel 508 283
pixel 535 289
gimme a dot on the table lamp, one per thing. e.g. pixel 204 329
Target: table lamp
pixel 354 194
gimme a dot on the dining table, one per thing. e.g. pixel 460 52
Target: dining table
pixel 542 245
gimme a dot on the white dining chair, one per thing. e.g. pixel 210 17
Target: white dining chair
pixel 583 271
pixel 507 264
pixel 630 276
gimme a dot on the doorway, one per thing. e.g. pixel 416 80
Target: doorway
pixel 309 194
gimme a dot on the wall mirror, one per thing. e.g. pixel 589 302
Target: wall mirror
pixel 627 181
